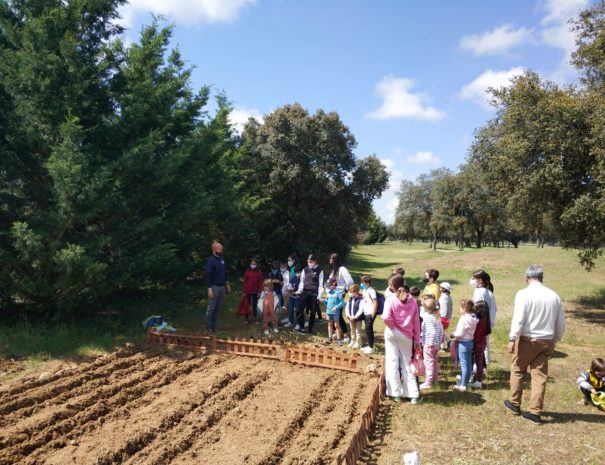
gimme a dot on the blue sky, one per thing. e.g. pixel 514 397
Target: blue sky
pixel 407 77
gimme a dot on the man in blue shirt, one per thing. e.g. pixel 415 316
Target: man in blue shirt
pixel 217 284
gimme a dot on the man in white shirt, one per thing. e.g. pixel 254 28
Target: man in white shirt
pixel 538 323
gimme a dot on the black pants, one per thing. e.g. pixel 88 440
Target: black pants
pixel 586 393
pixel 369 329
pixel 306 302
pixel 342 323
pixel 253 299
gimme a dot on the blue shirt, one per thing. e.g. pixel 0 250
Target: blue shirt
pixel 334 302
pixel 216 271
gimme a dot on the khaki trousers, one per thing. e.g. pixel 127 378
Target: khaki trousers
pixel 532 353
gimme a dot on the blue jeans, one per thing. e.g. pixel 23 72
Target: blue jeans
pixel 292 301
pixel 465 355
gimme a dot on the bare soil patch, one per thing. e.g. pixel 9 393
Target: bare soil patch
pixel 161 406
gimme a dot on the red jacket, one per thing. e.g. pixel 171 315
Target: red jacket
pixel 253 281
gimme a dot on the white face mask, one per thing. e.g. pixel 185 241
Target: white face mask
pixel 284 268
pixel 290 263
pixel 311 264
pixel 473 282
pixel 253 267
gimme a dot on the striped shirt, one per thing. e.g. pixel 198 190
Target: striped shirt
pixel 432 330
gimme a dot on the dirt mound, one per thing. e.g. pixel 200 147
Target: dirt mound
pixel 160 406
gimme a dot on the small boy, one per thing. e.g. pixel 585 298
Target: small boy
pixel 334 304
pixel 592 384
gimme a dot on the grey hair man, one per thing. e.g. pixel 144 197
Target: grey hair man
pixel 538 323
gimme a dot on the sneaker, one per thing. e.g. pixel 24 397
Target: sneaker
pixel 288 325
pixel 246 322
pixel 334 336
pixel 275 330
pixel 339 342
pixel 425 386
pixel 306 324
pixel 351 344
pixel 328 340
pixel 356 346
pixel 285 320
pixel 367 350
pixel 266 332
pixel 512 407
pixel 395 398
pixel 297 328
pixel 477 385
pixel 458 379
pixel 346 340
pixel 535 419
pixel 415 400
pixel 460 388
pixel 301 332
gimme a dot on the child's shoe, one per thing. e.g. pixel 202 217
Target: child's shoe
pixel 346 340
pixel 285 320
pixel 339 342
pixel 275 330
pixel 328 340
pixel 306 324
pixel 425 386
pixel 415 400
pixel 457 387
pixel 458 379
pixel 297 327
pixel 288 325
pixel 367 350
pixel 266 332
pixel 477 384
pixel 356 346
pixel 351 343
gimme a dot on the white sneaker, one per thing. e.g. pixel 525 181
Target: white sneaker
pixel 306 324
pixel 477 385
pixel 457 387
pixel 275 330
pixel 266 332
pixel 424 386
pixel 356 346
pixel 285 320
pixel 351 343
pixel 297 328
pixel 346 340
pixel 367 350
pixel 288 325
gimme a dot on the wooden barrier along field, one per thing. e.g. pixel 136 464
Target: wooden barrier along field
pixel 301 355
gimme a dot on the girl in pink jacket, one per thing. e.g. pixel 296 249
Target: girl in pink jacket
pixel 401 337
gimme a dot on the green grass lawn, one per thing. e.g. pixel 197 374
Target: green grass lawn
pixel 448 427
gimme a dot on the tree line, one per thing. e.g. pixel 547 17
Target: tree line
pixel 115 176
pixel 535 171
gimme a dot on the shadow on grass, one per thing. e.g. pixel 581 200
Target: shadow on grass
pixel 591 308
pixel 372 453
pixel 448 398
pixel 562 418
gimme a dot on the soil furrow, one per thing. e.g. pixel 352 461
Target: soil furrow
pixel 149 437
pixel 99 405
pixel 199 430
pixel 25 385
pixel 64 405
pixel 63 386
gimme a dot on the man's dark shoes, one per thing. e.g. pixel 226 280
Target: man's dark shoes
pixel 512 407
pixel 535 419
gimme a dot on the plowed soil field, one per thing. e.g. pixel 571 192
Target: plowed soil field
pixel 160 406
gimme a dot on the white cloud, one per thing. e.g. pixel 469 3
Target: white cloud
pixel 185 11
pixel 476 91
pixel 399 102
pixel 556 33
pixel 238 117
pixel 423 158
pixel 559 11
pixel 497 41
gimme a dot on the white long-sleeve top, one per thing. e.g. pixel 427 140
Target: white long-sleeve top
pixel 344 280
pixel 538 313
pixel 483 293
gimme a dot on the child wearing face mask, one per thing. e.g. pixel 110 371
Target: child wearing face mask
pixel 253 285
pixel 309 290
pixel 354 312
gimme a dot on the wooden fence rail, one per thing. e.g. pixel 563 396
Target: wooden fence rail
pixel 311 356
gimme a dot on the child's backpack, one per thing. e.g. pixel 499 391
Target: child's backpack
pixel 380 299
